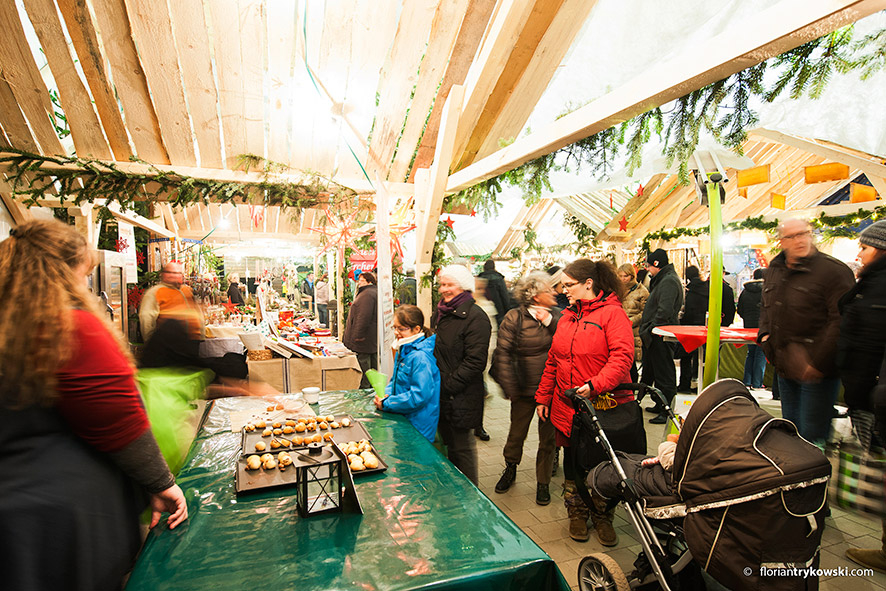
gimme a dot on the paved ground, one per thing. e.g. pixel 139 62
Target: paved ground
pixel 549 526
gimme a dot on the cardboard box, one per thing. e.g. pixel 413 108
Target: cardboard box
pixel 291 375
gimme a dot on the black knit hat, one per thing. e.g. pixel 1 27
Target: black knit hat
pixel 657 258
pixel 874 235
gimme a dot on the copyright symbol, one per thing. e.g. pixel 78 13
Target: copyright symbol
pixel 747 571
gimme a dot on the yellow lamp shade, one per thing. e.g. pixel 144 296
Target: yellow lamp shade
pixel 753 176
pixel 832 171
pixel 859 193
pixel 777 201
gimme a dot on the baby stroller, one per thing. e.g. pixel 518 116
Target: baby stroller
pixel 752 495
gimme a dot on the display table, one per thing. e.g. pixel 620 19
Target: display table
pixel 424 523
pixel 693 337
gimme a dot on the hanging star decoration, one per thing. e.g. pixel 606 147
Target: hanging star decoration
pixel 623 224
pixel 121 244
pixel 399 223
pixel 473 213
pixel 340 232
pixel 640 190
pixel 449 222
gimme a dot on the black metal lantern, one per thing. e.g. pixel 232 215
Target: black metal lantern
pixel 319 478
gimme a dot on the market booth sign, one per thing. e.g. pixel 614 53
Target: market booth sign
pixel 365 260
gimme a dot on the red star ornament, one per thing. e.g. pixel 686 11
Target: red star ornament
pixel 473 213
pixel 449 222
pixel 623 224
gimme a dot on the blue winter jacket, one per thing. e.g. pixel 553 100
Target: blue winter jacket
pixel 414 390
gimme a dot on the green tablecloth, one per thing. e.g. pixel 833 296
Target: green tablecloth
pixel 424 524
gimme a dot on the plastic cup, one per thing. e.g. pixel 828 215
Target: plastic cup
pixel 312 395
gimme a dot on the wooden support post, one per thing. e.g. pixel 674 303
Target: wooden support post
pixel 438 177
pixel 422 266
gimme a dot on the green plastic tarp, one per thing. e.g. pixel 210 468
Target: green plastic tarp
pixel 424 524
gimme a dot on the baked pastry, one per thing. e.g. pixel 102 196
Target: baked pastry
pixel 284 442
pixel 289 423
pixel 260 446
pixel 323 425
pixel 369 460
pixel 266 433
pixel 278 431
pixel 269 464
pixel 346 422
pixel 317 438
pixel 327 437
pixel 329 418
pixel 287 429
pixel 260 425
pixel 249 428
pixel 277 425
pixel 357 464
pixel 275 443
pixel 298 440
pixel 265 457
pixel 311 427
pixel 334 425
pixel 253 462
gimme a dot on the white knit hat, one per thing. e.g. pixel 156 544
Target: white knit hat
pixel 460 275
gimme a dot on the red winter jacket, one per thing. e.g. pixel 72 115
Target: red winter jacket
pixel 594 344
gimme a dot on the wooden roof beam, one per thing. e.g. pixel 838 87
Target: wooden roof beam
pixel 770 32
pixel 511 40
pixel 444 32
pixel 470 34
pixel 523 89
pixel 871 167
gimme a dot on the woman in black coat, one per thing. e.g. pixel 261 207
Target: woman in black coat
pixel 862 339
pixel 463 331
pixel 361 331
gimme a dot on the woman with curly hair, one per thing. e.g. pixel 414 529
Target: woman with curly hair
pixel 524 339
pixel 78 458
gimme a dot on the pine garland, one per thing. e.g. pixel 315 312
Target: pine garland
pixel 830 227
pixel 722 108
pixel 86 180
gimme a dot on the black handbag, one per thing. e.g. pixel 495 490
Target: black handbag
pixel 623 426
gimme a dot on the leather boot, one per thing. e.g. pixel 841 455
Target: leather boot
pixel 602 520
pixel 875 559
pixel 542 494
pixel 578 512
pixel 507 478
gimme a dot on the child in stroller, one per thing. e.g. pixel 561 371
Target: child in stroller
pixel 745 500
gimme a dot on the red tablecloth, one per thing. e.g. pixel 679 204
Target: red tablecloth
pixel 693 337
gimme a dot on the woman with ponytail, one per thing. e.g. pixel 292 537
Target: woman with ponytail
pixel 592 351
pixel 414 389
pixel 78 459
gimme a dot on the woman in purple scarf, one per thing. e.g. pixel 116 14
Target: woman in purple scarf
pixel 463 332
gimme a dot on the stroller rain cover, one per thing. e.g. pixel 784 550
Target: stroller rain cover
pixel 755 491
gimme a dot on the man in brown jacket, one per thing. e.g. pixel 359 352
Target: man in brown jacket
pixel 799 326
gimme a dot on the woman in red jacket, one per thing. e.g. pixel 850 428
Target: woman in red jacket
pixel 592 350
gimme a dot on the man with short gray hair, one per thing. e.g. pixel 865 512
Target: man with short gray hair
pixel 799 326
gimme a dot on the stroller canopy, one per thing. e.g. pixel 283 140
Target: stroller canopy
pixel 730 449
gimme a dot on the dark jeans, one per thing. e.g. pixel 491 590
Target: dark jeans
pixel 522 411
pixel 323 314
pixel 754 367
pixel 367 361
pixel 658 367
pixel 461 448
pixel 810 406
pixel 688 367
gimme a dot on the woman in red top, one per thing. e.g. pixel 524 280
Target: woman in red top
pixel 592 350
pixel 78 460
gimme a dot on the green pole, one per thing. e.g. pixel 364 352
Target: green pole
pixel 715 298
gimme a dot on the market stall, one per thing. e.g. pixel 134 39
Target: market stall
pixel 423 524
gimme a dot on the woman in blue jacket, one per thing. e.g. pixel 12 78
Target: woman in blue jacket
pixel 414 390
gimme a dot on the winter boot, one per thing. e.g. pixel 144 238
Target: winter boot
pixel 875 559
pixel 507 478
pixel 542 494
pixel 578 512
pixel 602 520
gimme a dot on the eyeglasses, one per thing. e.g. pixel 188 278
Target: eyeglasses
pixel 804 234
pixel 570 284
pixel 400 328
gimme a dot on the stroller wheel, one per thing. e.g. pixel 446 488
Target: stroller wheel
pixel 599 572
